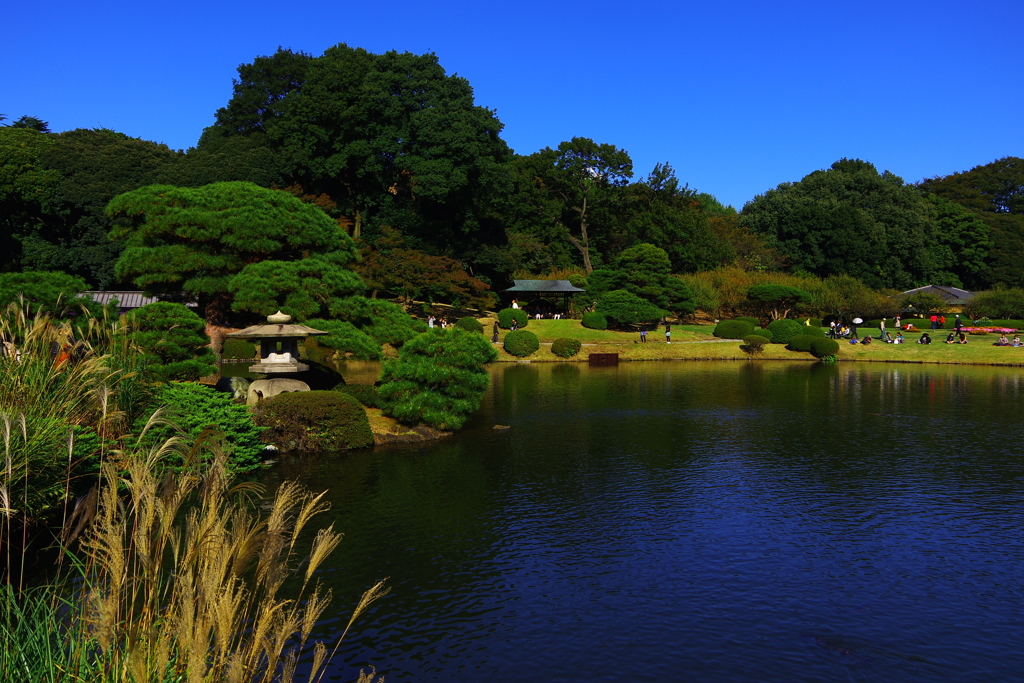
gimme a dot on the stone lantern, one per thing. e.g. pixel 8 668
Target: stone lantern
pixel 279 354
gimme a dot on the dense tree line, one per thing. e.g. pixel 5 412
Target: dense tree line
pixel 395 152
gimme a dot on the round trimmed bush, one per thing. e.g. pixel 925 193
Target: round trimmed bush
pixel 753 321
pixel 521 343
pixel 754 343
pixel 784 330
pixel 800 342
pixel 507 315
pixel 565 347
pixel 816 322
pixel 765 333
pixel 823 346
pixel 314 421
pixel 812 331
pixel 733 329
pixel 594 321
pixel 470 324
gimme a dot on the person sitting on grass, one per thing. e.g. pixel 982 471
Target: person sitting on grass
pixel 898 339
pixel 963 339
pixel 1016 341
pixel 867 340
pixel 925 339
pixel 1003 341
pixel 951 338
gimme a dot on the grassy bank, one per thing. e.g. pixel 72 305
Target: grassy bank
pixel 687 345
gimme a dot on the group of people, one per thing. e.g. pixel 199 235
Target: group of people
pixel 645 328
pixel 1003 341
pixel 437 322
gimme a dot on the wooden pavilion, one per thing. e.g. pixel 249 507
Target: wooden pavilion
pixel 543 294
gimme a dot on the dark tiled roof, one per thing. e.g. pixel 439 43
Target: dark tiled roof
pixel 541 286
pixel 125 299
pixel 953 295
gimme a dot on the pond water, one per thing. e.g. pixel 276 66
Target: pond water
pixel 693 521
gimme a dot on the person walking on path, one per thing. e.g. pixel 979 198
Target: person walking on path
pixel 832 330
pixel 942 322
pixel 898 321
pixel 881 328
pixel 494 335
pixel 668 332
pixel 958 324
pixel 935 322
pixel 643 333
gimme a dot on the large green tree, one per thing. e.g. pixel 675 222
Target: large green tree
pixel 391 138
pixel 195 241
pixel 644 271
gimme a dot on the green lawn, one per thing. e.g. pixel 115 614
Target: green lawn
pixel 550 330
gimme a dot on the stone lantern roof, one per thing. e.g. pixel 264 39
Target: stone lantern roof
pixel 279 343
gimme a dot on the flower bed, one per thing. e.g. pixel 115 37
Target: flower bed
pixel 1001 330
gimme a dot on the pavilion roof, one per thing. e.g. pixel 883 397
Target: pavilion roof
pixel 952 295
pixel 543 287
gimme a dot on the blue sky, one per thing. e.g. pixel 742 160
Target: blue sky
pixel 737 96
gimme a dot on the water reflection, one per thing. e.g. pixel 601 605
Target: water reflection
pixel 695 521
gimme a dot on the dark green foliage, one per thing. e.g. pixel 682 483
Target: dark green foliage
pixel 999 303
pixel 784 330
pixel 766 333
pixel 733 329
pixel 816 322
pixel 507 315
pixel 776 301
pixel 314 421
pixel 470 324
pixel 754 343
pixel 303 289
pixel 753 321
pixel 384 321
pixel 800 342
pixel 55 292
pixel 194 408
pixel 345 338
pixel 644 271
pixel 438 378
pixel 367 394
pixel 824 347
pixel 173 341
pixel 594 321
pixel 238 348
pixel 812 331
pixel 623 308
pixel 564 347
pixel 198 240
pixel 521 343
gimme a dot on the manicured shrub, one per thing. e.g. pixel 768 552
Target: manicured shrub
pixel 766 333
pixel 238 348
pixel 733 329
pixel 438 377
pixel 507 315
pixel 196 407
pixel 812 331
pixel 565 347
pixel 800 342
pixel 470 325
pixel 753 321
pixel 314 421
pixel 816 322
pixel 367 394
pixel 754 343
pixel 173 341
pixel 521 343
pixel 593 320
pixel 783 330
pixel 824 347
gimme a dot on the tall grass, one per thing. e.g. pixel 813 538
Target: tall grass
pixel 178 577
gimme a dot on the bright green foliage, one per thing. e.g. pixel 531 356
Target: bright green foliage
pixel 438 378
pixel 594 321
pixel 800 342
pixel 783 330
pixel 564 347
pixel 733 329
pixel 999 303
pixel 54 291
pixel 173 341
pixel 470 324
pixel 623 308
pixel 306 288
pixel 925 303
pixel 314 421
pixel 824 347
pixel 812 330
pixel 384 321
pixel 777 300
pixel 195 408
pixel 644 271
pixel 345 338
pixel 507 315
pixel 521 343
pixel 197 240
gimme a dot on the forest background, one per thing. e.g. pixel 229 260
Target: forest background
pixel 398 153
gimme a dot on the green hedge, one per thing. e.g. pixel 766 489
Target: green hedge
pixel 507 315
pixel 594 321
pixel 823 347
pixel 367 394
pixel 812 331
pixel 565 347
pixel 470 324
pixel 314 421
pixel 800 342
pixel 733 329
pixel 753 321
pixel 238 348
pixel 784 330
pixel 521 343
